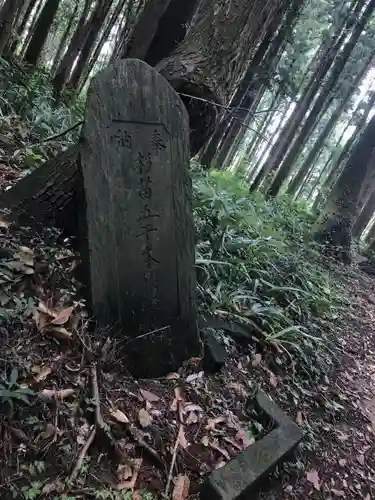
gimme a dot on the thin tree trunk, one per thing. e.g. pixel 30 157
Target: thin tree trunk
pixel 26 16
pixel 22 18
pixel 8 16
pixel 370 237
pixel 64 38
pixel 99 46
pixel 75 44
pixel 334 226
pixel 130 22
pixel 30 25
pixel 96 22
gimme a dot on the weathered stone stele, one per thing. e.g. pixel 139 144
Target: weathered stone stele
pixel 135 161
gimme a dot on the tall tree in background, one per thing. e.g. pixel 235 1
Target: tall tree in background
pixel 66 64
pixel 334 226
pixel 311 120
pixel 144 31
pixel 308 94
pixel 94 25
pixel 41 30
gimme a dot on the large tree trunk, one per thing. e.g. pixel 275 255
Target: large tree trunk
pixel 334 226
pixel 42 28
pixel 171 29
pixel 8 16
pixel 211 61
pixel 145 29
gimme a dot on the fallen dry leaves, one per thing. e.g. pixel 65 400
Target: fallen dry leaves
pixel 181 488
pixel 149 396
pixel 313 477
pixel 144 418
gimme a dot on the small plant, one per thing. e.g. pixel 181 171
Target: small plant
pixel 10 390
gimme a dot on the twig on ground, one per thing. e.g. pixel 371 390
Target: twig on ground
pixel 173 462
pixel 134 432
pixel 82 455
pixel 99 422
pixel 60 134
pixel 96 396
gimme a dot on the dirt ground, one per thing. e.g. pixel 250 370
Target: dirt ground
pixel 338 416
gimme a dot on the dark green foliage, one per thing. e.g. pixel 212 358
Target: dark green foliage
pixel 255 262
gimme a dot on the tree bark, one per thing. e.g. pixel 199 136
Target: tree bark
pixel 64 38
pixel 49 195
pixel 40 34
pixel 75 44
pixel 8 16
pixel 211 61
pixel 171 29
pixel 99 46
pixel 334 226
pixel 95 24
pixel 266 58
pixel 145 29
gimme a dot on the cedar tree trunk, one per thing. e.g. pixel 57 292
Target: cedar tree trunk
pixel 334 225
pixel 212 59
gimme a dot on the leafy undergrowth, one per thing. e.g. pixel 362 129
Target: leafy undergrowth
pixel 75 425
pixel 29 119
pixel 258 272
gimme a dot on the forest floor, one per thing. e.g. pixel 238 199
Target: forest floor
pixel 74 424
pixel 340 413
pixel 91 428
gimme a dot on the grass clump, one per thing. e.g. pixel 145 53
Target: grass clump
pixel 29 113
pixel 253 261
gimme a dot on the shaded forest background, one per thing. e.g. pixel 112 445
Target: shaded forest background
pixel 280 97
pixel 287 119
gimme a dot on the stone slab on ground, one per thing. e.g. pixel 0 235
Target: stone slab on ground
pixel 215 354
pixel 243 474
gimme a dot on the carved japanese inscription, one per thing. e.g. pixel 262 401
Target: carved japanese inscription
pixel 135 160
